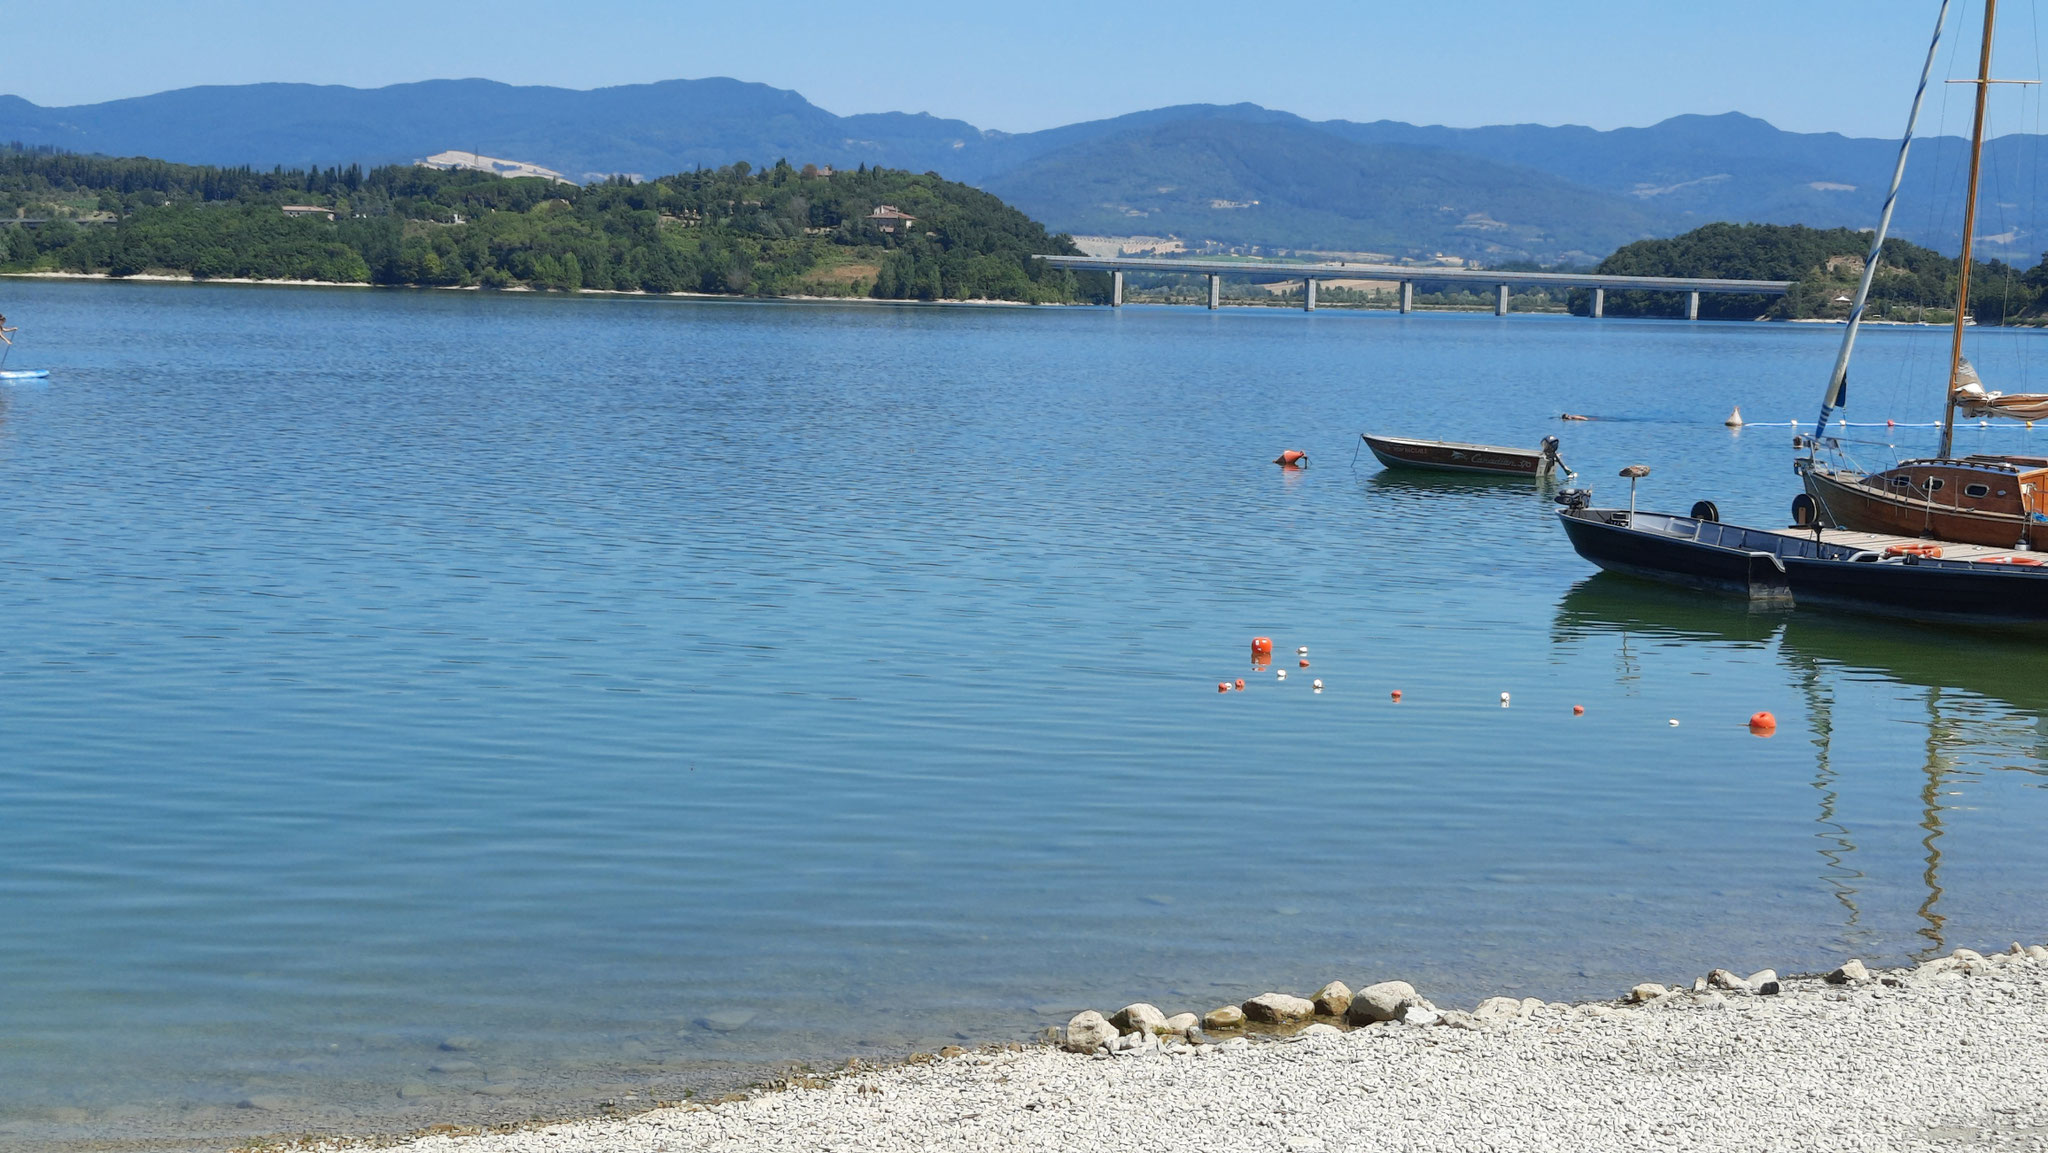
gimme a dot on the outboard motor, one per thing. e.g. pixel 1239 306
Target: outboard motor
pixel 1550 456
pixel 1574 499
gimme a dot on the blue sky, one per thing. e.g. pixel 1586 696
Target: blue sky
pixel 1807 65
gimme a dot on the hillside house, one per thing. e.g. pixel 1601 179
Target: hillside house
pixel 308 210
pixel 888 218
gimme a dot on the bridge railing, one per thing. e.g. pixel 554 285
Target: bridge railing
pixel 1406 275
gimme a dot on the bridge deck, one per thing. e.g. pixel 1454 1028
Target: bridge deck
pixel 1344 271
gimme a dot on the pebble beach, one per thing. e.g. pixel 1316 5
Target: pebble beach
pixel 1952 1053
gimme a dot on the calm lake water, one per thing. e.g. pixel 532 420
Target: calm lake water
pixel 441 706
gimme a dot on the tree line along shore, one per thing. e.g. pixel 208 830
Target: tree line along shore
pixel 779 231
pixel 788 231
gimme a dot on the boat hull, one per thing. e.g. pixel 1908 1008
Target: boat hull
pixel 1450 456
pixel 1787 569
pixel 1846 503
pixel 1609 539
pixel 1958 591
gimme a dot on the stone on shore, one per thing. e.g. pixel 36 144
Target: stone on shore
pixel 1647 991
pixel 1228 1017
pixel 1333 999
pixel 1498 1011
pixel 1421 1013
pixel 1089 1031
pixel 1764 982
pixel 1319 1029
pixel 1139 1018
pixel 1851 972
pixel 1723 979
pixel 1182 1024
pixel 1381 1002
pixel 1278 1009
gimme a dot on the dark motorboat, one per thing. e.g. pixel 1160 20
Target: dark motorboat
pixel 1899 576
pixel 1455 456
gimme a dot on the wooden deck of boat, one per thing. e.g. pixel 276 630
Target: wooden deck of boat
pixel 1878 542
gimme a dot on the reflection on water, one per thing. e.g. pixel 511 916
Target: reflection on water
pixel 1981 703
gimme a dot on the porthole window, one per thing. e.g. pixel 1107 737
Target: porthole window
pixel 1935 482
pixel 1977 490
pixel 1902 482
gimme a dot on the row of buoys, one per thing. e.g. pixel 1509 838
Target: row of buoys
pixel 1761 724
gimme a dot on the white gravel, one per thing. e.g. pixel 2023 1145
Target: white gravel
pixel 1953 1054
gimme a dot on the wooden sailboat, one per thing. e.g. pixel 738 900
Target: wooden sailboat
pixel 1990 499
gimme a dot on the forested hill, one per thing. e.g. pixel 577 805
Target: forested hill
pixel 774 231
pixel 1912 283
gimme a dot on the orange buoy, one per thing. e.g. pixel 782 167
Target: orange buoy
pixel 1578 710
pixel 1304 662
pixel 1292 458
pixel 1763 723
pixel 1240 683
pixel 1262 646
pixel 1396 694
pixel 1930 551
pixel 1222 686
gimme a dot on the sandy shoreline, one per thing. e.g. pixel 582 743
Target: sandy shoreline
pixel 1952 1053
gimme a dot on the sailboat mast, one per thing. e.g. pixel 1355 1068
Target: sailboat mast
pixel 1955 355
pixel 1833 396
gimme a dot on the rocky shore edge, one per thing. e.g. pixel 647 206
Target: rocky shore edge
pixel 1915 1056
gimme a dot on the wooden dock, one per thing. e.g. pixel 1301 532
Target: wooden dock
pixel 1878 542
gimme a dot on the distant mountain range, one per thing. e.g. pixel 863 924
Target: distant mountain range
pixel 1219 176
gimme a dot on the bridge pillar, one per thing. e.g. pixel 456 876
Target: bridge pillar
pixel 1116 288
pixel 1407 296
pixel 1599 303
pixel 1308 294
pixel 1500 300
pixel 1692 305
pixel 1215 291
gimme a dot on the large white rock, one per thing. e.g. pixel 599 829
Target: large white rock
pixel 1764 981
pixel 1647 991
pixel 1181 1024
pixel 1333 999
pixel 1228 1017
pixel 1139 1018
pixel 1421 1013
pixel 1278 1009
pixel 1723 979
pixel 1320 1030
pixel 1498 1010
pixel 1381 1002
pixel 1089 1031
pixel 1851 972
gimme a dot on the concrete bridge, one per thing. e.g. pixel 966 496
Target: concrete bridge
pixel 1407 275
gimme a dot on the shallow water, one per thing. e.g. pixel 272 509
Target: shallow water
pixel 530 688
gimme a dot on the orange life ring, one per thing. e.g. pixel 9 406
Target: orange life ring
pixel 2020 560
pixel 1930 551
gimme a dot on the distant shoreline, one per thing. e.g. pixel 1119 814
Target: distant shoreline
pixel 161 278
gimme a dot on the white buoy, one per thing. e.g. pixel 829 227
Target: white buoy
pixel 1674 722
pixel 1319 685
pixel 1283 674
pixel 1503 700
pixel 1734 418
pixel 1302 651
